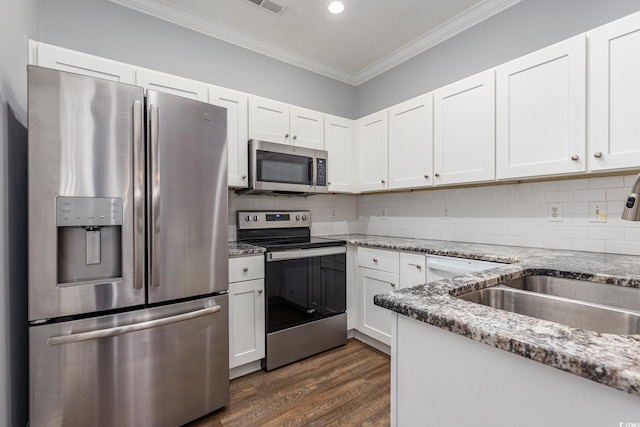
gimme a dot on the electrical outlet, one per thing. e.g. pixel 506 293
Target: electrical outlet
pixel 446 213
pixel 554 212
pixel 334 213
pixel 384 213
pixel 597 212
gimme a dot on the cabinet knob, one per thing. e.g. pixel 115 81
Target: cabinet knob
pixel 419 267
pixel 245 269
pixel 295 136
pixel 437 175
pixel 286 135
pixel 597 154
pixel 375 260
pixel 393 285
pixel 259 291
pixel 329 183
pixel 426 177
pixel 575 157
pixel 382 181
pixel 244 176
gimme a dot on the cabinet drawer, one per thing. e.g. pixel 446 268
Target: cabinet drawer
pixel 379 260
pixel 412 269
pixel 246 268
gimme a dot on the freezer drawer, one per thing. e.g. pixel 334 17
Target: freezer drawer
pixel 162 366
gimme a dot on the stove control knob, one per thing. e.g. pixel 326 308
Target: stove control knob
pixel 256 217
pixel 297 217
pixel 304 217
pixel 247 218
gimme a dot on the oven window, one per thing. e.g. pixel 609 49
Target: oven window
pixel 284 168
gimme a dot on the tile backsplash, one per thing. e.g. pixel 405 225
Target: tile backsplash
pixel 549 214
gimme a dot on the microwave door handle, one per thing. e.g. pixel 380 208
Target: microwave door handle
pixel 313 171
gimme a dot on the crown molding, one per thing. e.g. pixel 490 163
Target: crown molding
pixel 221 31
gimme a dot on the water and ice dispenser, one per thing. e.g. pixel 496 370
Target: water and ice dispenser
pixel 89 239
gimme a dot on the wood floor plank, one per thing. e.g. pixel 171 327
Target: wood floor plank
pixel 346 386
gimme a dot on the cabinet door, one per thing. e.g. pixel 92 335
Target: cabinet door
pixel 246 322
pixel 162 82
pixel 237 133
pixel 464 130
pixel 339 143
pixel 307 128
pixel 614 95
pixel 375 321
pixel 268 120
pixel 411 143
pixel 413 271
pixel 541 108
pixel 58 58
pixel 373 142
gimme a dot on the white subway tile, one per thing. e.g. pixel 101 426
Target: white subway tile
pixel 605 182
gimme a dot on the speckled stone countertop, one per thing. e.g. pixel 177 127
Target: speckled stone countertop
pixel 613 360
pixel 242 249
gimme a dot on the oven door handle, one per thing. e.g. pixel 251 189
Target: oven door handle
pixel 305 253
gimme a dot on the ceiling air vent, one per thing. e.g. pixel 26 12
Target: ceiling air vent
pixel 269 5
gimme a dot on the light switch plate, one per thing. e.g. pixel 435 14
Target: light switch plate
pixel 597 211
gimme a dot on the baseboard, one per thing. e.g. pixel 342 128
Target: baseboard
pixel 371 342
pixel 245 369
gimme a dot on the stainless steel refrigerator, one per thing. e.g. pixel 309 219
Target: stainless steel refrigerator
pixel 128 270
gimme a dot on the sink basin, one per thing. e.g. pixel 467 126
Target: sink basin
pixel 580 304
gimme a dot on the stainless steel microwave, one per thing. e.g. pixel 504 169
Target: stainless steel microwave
pixel 285 169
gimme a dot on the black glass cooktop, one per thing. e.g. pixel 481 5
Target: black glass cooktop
pixel 287 243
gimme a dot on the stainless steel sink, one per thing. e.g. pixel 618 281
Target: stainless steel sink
pixel 580 304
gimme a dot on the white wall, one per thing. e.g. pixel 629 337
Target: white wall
pixel 528 26
pixel 510 214
pixel 102 28
pixel 18 21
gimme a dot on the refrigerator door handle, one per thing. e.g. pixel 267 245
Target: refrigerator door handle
pixel 154 130
pixel 120 330
pixel 138 196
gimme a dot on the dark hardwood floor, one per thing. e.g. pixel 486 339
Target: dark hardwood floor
pixel 347 386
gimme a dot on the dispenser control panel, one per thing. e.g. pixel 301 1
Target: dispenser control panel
pixel 88 211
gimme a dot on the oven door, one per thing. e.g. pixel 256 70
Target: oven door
pixel 280 167
pixel 304 285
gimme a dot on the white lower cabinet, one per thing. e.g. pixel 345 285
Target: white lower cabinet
pixel 412 269
pixel 246 312
pixel 377 274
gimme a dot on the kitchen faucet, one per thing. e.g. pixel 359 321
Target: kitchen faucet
pixel 631 211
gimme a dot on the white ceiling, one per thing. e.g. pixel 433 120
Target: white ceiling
pixel 369 38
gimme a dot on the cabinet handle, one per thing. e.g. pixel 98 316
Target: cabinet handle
pixel 418 266
pixel 437 175
pixel 244 176
pixel 295 136
pixel 245 269
pixel 575 157
pixel 375 260
pixel 393 285
pixel 597 154
pixel 286 135
pixel 259 291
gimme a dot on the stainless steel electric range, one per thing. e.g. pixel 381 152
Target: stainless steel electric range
pixel 305 285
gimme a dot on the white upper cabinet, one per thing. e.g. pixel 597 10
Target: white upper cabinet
pixel 168 83
pixel 237 147
pixel 464 130
pixel 268 120
pixel 339 143
pixel 45 55
pixel 373 142
pixel 411 143
pixel 275 121
pixel 307 128
pixel 540 107
pixel 614 95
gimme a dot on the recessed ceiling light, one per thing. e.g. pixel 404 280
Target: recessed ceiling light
pixel 336 7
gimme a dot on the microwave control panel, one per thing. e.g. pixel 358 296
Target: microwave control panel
pixel 321 165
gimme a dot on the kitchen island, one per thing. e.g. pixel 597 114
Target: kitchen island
pixel 456 362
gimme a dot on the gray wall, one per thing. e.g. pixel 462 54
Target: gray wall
pixel 105 29
pixel 526 27
pixel 18 20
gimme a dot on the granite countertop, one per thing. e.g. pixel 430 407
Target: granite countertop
pixel 242 249
pixel 613 360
